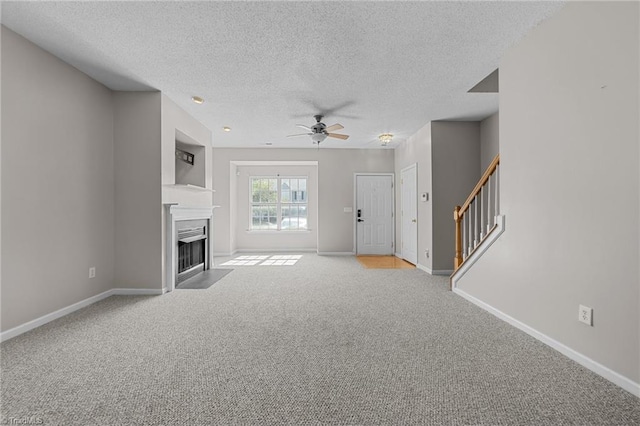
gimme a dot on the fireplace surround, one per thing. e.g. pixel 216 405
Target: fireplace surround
pixel 188 238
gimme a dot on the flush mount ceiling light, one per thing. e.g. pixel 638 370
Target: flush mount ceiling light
pixel 226 128
pixel 385 138
pixel 197 99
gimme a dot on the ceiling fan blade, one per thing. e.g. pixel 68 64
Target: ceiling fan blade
pixel 338 136
pixel 334 127
pixel 302 126
pixel 300 134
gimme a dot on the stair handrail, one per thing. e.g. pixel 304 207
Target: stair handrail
pixel 459 211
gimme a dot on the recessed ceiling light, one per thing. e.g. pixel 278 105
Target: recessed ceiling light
pixel 226 128
pixel 197 99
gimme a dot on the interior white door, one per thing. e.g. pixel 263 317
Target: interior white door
pixel 409 214
pixel 374 214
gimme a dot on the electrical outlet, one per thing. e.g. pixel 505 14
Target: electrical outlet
pixel 585 315
pixel 426 253
pixel 92 272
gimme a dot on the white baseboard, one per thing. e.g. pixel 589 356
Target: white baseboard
pixel 423 268
pixel 336 253
pixel 398 255
pixel 136 292
pixel 618 379
pixel 434 271
pixel 21 329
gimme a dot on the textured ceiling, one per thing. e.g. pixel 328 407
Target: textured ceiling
pixel 264 67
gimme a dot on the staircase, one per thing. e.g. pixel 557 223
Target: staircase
pixel 478 221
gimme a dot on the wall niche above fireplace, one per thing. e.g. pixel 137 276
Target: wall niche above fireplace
pixel 190 161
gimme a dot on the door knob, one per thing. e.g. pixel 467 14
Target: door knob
pixel 360 220
pixel 414 220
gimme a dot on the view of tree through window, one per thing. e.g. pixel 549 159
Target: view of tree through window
pixel 278 203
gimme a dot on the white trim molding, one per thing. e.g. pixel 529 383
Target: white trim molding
pixel 28 326
pixel 618 379
pixel 136 292
pixel 434 271
pixel 336 253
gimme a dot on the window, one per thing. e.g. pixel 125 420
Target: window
pixel 278 203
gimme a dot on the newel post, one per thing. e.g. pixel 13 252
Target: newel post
pixel 457 261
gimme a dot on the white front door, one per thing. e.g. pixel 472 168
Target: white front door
pixel 374 214
pixel 409 214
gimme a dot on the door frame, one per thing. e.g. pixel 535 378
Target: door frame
pixel 407 168
pixel 355 210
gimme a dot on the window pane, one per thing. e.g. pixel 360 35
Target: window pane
pixel 255 190
pixel 294 216
pixel 264 217
pixel 285 190
pixel 300 194
pixel 271 195
pixel 264 190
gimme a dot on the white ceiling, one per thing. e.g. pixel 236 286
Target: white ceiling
pixel 264 67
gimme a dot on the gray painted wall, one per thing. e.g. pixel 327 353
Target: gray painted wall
pixel 83 170
pixel 570 184
pixel 138 190
pixel 336 168
pixel 489 140
pixel 456 170
pixel 417 149
pixel 448 157
pixel 57 183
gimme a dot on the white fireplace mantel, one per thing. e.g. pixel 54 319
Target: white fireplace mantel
pixel 176 213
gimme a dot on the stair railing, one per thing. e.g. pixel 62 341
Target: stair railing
pixel 478 215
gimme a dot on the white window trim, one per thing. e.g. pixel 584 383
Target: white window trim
pixel 278 205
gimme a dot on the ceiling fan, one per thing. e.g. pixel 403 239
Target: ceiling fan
pixel 320 131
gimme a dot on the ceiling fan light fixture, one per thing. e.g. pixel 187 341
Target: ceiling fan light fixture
pixel 385 138
pixel 197 99
pixel 318 137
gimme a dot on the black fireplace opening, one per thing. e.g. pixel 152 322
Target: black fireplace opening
pixel 192 249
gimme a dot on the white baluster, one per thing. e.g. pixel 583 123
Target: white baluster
pixel 475 227
pixel 464 237
pixel 489 203
pixel 482 204
pixel 470 228
pixel 497 196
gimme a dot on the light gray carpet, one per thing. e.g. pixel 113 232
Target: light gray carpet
pixel 204 280
pixel 322 342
